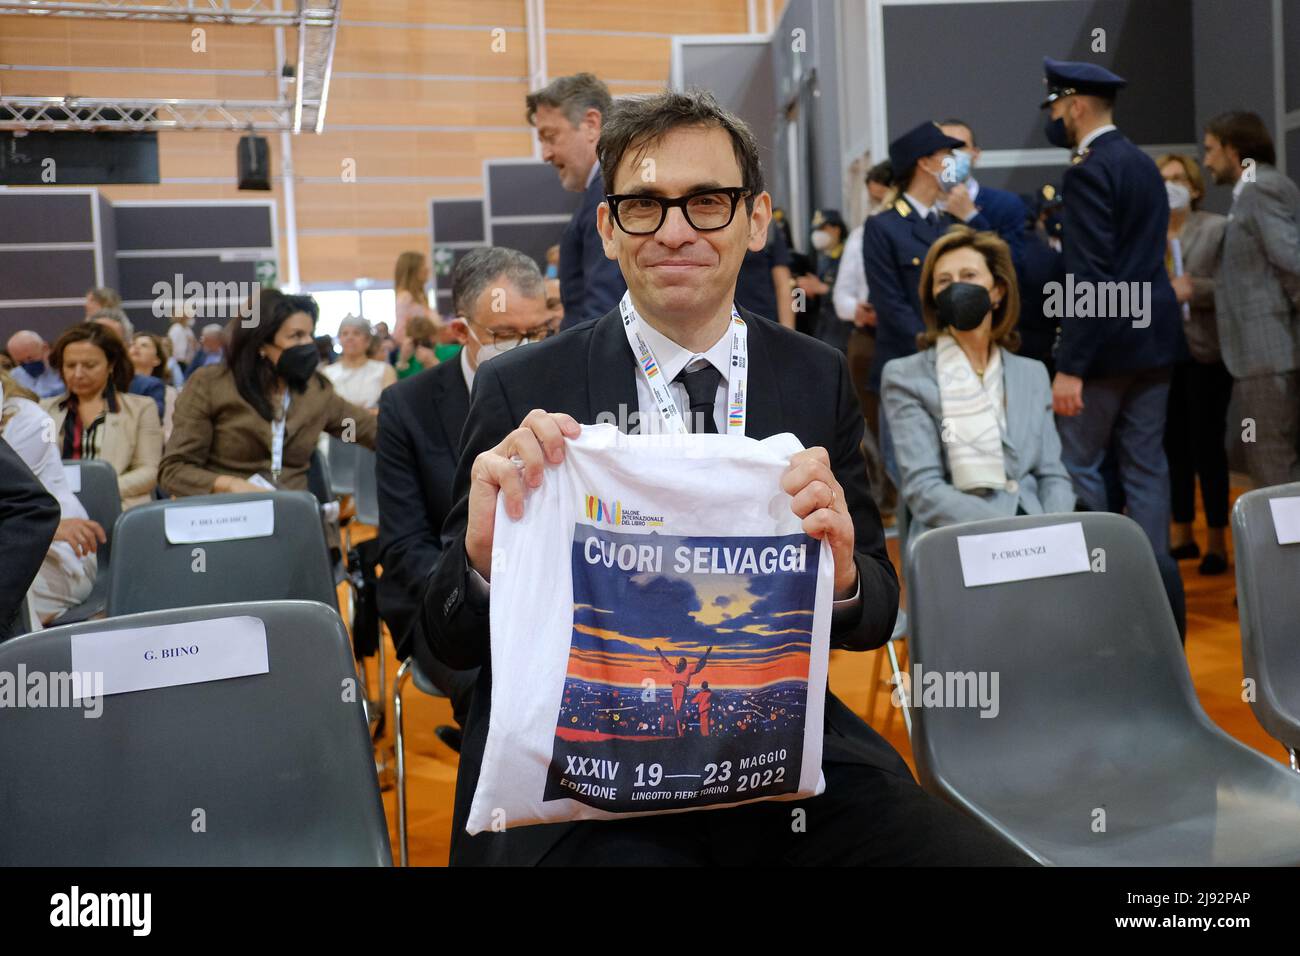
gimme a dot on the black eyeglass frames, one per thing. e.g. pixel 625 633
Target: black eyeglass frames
pixel 706 210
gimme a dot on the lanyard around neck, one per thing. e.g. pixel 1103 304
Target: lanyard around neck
pixel 649 368
pixel 277 438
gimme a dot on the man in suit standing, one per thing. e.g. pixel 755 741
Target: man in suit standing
pixel 1113 367
pixel 1004 210
pixel 500 302
pixel 1257 293
pixel 679 241
pixel 568 114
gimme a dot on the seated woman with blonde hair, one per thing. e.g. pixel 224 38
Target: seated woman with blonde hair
pixel 971 421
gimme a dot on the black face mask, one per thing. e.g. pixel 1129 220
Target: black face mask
pixel 296 365
pixel 1056 132
pixel 963 306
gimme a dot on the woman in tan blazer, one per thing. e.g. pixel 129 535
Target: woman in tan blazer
pixel 228 417
pixel 98 418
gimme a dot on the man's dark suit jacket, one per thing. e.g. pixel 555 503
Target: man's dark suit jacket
pixel 796 384
pixel 420 421
pixel 29 516
pixel 1005 212
pixel 1116 213
pixel 590 284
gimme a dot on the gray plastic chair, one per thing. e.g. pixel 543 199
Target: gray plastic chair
pixel 342 458
pixel 1267 577
pixel 290 564
pixel 100 497
pixel 367 493
pixel 409 669
pixel 1097 712
pixel 279 763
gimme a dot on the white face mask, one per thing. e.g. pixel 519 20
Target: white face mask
pixel 1180 197
pixel 821 240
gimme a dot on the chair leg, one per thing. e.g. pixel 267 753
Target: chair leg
pixel 877 678
pixel 897 680
pixel 383 684
pixel 403 673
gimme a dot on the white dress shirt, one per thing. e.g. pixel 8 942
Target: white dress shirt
pixel 850 288
pixel 672 358
pixel 26 432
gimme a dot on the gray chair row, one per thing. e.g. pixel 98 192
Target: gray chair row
pixel 273 769
pixel 1100 752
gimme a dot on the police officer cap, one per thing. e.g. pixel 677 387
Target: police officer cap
pixel 1065 78
pixel 918 142
pixel 829 217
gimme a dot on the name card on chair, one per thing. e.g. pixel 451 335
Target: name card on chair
pixel 73 474
pixel 225 522
pixel 168 655
pixel 1286 519
pixel 1022 555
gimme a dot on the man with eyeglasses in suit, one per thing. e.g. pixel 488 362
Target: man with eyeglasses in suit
pixel 500 302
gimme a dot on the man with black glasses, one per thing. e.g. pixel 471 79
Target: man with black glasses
pixel 679 236
pixel 500 302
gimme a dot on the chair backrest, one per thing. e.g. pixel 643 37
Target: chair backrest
pixel 273 769
pixel 1089 668
pixel 367 494
pixel 98 494
pixel 1268 593
pixel 342 457
pixel 292 563
pixel 320 479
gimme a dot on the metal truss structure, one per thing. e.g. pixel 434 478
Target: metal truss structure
pixel 317 25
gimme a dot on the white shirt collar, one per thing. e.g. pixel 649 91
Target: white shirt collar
pixel 1087 140
pixel 465 368
pixel 672 358
pixel 919 206
pixel 595 171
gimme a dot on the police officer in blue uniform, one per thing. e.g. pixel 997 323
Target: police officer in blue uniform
pixel 895 241
pixel 1113 364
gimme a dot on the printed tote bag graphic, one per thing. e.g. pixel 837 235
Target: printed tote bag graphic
pixel 660 634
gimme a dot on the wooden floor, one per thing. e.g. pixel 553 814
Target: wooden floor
pixel 1213 653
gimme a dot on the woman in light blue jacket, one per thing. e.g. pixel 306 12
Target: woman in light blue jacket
pixel 971 421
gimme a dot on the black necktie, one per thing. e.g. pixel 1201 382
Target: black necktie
pixel 702 393
pixel 932 218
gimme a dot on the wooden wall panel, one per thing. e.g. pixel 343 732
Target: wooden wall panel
pixel 366 49
pixel 704 16
pixel 505 13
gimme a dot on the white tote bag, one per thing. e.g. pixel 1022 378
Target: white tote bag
pixel 660 634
